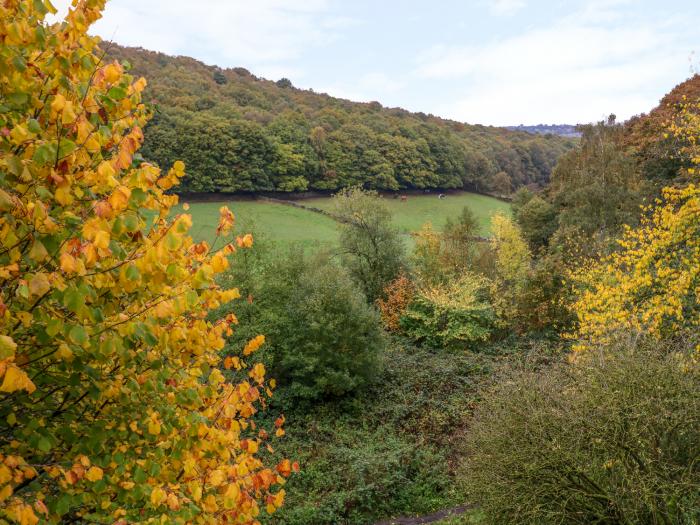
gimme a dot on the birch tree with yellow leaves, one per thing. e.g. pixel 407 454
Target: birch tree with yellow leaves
pixel 651 285
pixel 113 404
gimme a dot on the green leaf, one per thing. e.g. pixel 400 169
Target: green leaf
pixel 132 273
pixel 73 300
pixel 139 475
pixel 116 93
pixel 45 154
pixel 18 98
pixel 131 223
pixel 138 196
pixel 34 126
pixel 19 63
pixel 78 335
pixel 44 444
pixel 65 148
pixel 40 7
pixel 53 326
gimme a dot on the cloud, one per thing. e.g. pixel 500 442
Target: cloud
pixel 265 36
pixel 581 67
pixel 505 7
pixel 369 87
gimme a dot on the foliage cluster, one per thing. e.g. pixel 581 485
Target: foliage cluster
pixel 113 407
pixel 454 313
pixel 237 132
pixel 651 285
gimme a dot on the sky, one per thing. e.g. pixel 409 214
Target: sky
pixel 497 62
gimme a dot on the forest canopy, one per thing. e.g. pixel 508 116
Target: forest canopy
pixel 240 133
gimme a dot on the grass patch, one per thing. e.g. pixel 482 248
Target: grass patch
pixel 277 222
pixel 410 215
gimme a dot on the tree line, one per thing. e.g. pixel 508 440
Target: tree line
pixel 240 133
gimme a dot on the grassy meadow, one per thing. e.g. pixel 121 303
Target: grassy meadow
pixel 288 224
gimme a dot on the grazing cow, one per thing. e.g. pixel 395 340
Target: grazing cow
pixel 404 198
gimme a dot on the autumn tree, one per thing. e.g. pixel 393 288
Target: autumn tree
pixel 513 265
pixel 113 406
pixel 651 285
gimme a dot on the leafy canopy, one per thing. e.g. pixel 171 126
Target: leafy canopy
pixel 113 408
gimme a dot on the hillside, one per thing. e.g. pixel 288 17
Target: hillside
pixel 237 132
pixel 659 155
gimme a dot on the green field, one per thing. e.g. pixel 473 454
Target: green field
pixel 276 222
pixel 279 222
pixel 410 215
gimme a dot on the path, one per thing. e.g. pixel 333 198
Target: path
pixel 427 518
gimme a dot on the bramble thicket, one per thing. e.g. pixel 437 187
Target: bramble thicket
pixel 114 406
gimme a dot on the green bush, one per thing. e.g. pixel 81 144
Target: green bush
pixel 456 313
pixel 613 440
pixel 323 339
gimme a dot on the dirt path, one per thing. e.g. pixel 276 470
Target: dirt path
pixel 427 518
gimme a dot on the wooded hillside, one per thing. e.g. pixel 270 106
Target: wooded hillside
pixel 237 132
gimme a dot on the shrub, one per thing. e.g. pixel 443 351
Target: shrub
pixel 616 441
pixel 449 314
pixel 323 338
pixel 513 262
pixel 538 221
pixel 390 449
pixel 397 295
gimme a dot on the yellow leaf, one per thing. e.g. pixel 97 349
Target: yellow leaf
pixel 101 240
pixel 154 428
pixel 105 170
pixel 67 262
pixel 112 73
pixel 196 491
pixel 219 263
pixel 16 379
pixel 217 477
pixel 157 496
pixel 5 474
pixel 5 493
pixel 63 195
pixel 173 502
pixel 119 198
pixel 254 344
pixel 58 103
pixel 38 252
pixel 64 352
pixel 94 473
pixel 38 284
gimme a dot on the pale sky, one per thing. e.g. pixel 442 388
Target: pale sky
pixel 497 62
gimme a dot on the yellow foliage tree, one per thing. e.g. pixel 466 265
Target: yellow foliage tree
pixel 513 261
pixel 651 285
pixel 113 404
